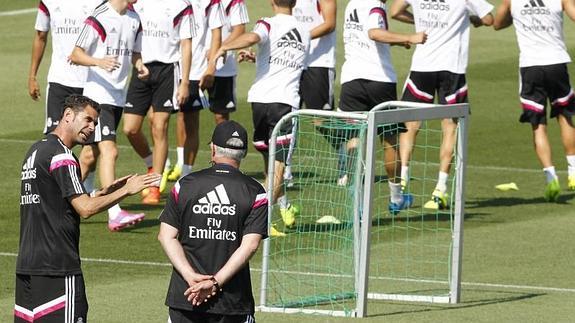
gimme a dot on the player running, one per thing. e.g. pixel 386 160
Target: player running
pixel 543 60
pixel 438 66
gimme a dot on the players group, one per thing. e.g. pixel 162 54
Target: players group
pixel 179 49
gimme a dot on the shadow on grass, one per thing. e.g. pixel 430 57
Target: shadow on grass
pixel 511 201
pixel 502 297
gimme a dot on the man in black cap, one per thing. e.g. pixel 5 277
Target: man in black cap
pixel 211 226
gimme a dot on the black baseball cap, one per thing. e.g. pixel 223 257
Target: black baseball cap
pixel 227 130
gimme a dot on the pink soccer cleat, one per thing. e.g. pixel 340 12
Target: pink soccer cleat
pixel 124 219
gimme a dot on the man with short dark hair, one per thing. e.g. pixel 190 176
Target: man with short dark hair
pixel 211 226
pixel 49 281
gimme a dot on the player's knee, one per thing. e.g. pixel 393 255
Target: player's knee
pixel 130 131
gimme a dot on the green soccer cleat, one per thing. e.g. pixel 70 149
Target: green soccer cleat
pixel 175 173
pixel 438 201
pixel 289 214
pixel 571 183
pixel 552 191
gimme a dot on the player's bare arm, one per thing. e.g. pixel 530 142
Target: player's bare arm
pixel 80 57
pixel 87 206
pixel 244 41
pixel 388 37
pixel 399 12
pixel 503 17
pixel 207 79
pixel 476 21
pixel 569 8
pixel 183 88
pixel 143 72
pixel 329 14
pixel 240 258
pixel 38 47
pixel 168 238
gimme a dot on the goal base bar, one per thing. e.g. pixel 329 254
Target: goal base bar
pixel 286 310
pixel 410 298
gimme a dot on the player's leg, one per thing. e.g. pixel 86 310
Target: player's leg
pixel 180 142
pixel 56 94
pixel 533 96
pixel 568 140
pixel 419 87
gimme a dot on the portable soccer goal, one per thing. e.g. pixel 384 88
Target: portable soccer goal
pixel 346 247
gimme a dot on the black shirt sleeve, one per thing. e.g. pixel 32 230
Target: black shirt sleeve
pixel 65 170
pixel 171 214
pixel 257 220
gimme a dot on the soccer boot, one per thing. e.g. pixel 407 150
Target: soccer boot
pixel 146 191
pixel 153 196
pixel 275 232
pixel 406 201
pixel 164 180
pixel 342 181
pixel 571 183
pixel 124 219
pixel 175 173
pixel 552 191
pixel 289 214
pixel 438 201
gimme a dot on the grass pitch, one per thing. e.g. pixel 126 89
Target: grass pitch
pixel 518 252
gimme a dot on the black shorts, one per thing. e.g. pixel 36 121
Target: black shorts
pixel 55 97
pixel 181 316
pixel 316 88
pixel 222 95
pixel 50 299
pixel 541 83
pixel 108 122
pixel 451 88
pixel 265 117
pixel 158 91
pixel 362 95
pixel 196 101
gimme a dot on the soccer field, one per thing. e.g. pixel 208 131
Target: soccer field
pixel 518 256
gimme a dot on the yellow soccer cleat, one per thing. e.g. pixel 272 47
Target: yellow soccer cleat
pixel 276 233
pixel 571 183
pixel 175 173
pixel 164 181
pixel 438 201
pixel 552 191
pixel 289 214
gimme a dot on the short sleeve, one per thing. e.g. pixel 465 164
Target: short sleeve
pixel 171 214
pixel 91 33
pixel 377 19
pixel 184 22
pixel 480 8
pixel 42 18
pixel 257 220
pixel 237 12
pixel 215 14
pixel 65 170
pixel 262 29
pixel 138 40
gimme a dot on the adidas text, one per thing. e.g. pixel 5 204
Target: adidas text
pixel 215 209
pixel 434 6
pixel 536 11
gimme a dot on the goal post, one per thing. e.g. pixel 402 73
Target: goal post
pixel 346 247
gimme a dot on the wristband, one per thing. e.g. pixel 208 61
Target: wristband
pixel 216 284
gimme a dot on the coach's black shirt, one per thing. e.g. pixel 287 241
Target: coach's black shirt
pixel 49 225
pixel 212 210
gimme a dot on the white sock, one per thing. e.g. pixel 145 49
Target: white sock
pixel 149 161
pixel 442 182
pixel 550 173
pixel 180 153
pixel 405 174
pixel 113 211
pixel 168 164
pixel 89 182
pixel 283 202
pixel 571 163
pixel 186 169
pixel 395 193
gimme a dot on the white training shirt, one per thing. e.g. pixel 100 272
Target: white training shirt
pixel 208 15
pixel 446 23
pixel 365 58
pixel 281 58
pixel 164 24
pixel 235 13
pixel 322 49
pixel 64 20
pixel 539 28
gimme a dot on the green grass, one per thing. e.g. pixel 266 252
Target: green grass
pixel 518 250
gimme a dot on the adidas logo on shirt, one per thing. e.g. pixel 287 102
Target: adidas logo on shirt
pixel 28 170
pixel 291 39
pixel 352 22
pixel 113 31
pixel 535 7
pixel 216 202
pixel 438 5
